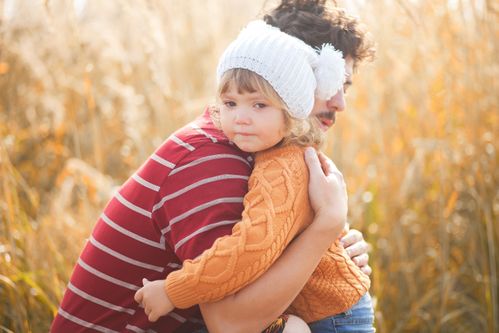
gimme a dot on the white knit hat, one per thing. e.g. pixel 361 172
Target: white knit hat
pixel 295 70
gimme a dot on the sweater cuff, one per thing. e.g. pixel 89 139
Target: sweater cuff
pixel 182 297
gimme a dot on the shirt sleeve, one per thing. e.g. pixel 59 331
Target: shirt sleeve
pixel 275 211
pixel 202 198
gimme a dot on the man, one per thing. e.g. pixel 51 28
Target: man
pixel 276 289
pixel 153 224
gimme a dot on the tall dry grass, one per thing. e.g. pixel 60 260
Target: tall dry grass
pixel 419 149
pixel 88 89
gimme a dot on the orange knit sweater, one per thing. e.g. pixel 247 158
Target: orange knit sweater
pixel 276 209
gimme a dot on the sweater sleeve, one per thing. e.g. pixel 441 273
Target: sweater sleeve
pixel 276 209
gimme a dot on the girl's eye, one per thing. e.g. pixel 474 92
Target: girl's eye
pixel 260 105
pixel 229 104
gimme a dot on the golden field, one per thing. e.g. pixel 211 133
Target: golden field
pixel 88 89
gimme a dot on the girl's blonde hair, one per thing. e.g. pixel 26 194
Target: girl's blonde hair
pixel 303 132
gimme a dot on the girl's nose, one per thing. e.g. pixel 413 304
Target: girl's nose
pixel 241 117
pixel 337 103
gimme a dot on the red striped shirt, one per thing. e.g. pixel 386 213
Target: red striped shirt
pixel 184 197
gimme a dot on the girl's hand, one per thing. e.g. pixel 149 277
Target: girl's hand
pixel 153 298
pixel 327 192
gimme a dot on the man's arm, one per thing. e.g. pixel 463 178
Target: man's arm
pixel 260 303
pixel 257 305
pixel 198 203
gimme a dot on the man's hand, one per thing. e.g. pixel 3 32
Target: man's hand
pixel 153 298
pixel 357 248
pixel 353 241
pixel 327 192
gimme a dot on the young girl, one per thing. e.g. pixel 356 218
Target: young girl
pixel 267 84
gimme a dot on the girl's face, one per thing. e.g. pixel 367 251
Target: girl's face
pixel 251 121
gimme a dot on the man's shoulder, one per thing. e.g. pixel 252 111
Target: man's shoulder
pixel 198 138
pixel 196 151
pixel 202 130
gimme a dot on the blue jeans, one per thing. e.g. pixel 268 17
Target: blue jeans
pixel 359 319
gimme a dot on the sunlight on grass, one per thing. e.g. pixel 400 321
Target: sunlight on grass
pixel 88 89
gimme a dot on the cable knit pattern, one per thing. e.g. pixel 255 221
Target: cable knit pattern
pixel 276 209
pixel 334 287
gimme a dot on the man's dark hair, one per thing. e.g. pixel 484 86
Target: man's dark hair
pixel 317 22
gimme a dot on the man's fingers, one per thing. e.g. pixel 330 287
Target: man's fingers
pixel 331 169
pixel 357 249
pixel 353 236
pixel 313 163
pixel 324 163
pixel 329 164
pixel 366 270
pixel 361 260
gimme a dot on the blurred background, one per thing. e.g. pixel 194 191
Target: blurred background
pixel 89 88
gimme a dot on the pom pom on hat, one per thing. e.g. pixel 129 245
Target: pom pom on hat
pixel 329 72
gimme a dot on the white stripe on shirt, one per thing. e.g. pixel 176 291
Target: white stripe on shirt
pixel 194 185
pixel 145 183
pixel 106 277
pixel 85 323
pixel 122 257
pixel 181 143
pixel 99 301
pixel 199 130
pixel 138 329
pixel 200 208
pixel 203 229
pixel 130 234
pixel 174 265
pixel 177 317
pixel 206 159
pixel 162 161
pixel 133 207
pixel 163 242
